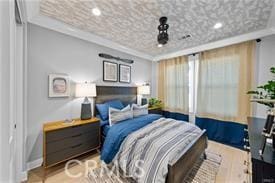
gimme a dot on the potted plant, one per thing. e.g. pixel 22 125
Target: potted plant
pixel 265 94
pixel 153 102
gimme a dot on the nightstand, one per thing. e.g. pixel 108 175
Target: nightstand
pixel 64 141
pixel 155 110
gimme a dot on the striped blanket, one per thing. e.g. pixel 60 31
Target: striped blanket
pixel 145 154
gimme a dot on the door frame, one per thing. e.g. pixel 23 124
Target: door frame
pixel 7 84
pixel 12 94
pixel 21 93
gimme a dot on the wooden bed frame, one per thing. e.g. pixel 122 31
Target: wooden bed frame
pixel 177 170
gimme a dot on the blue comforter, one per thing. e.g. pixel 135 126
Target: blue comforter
pixel 118 132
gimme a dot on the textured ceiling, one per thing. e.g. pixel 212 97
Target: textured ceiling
pixel 133 23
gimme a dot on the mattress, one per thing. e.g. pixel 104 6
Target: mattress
pixel 118 132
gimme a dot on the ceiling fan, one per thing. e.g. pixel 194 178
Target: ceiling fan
pixel 163 36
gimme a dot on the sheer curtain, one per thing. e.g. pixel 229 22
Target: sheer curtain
pixel 173 84
pixel 224 78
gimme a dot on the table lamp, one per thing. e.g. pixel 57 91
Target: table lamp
pixel 144 90
pixel 85 90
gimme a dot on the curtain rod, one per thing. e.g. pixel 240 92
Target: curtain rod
pixel 193 54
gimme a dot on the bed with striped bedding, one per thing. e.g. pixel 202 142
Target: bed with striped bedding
pixel 154 147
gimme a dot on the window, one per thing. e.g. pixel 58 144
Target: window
pixel 173 84
pixel 218 86
pixel 193 63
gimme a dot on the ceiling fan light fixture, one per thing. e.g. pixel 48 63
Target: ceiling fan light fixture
pixel 163 36
pixel 160 45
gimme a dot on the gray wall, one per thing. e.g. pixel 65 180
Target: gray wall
pixel 265 60
pixel 53 52
pixel 154 80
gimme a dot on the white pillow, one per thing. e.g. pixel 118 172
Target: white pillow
pixel 139 110
pixel 116 115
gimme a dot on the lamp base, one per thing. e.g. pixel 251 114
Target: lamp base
pixel 143 101
pixel 86 112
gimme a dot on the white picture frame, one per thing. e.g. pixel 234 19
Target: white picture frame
pixel 59 85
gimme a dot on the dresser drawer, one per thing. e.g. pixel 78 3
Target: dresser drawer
pixel 67 153
pixel 73 140
pixel 70 131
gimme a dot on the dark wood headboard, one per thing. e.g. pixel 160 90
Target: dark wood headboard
pixel 127 95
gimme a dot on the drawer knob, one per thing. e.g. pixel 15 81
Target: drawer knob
pixel 245 140
pixel 245 163
pixel 246 147
pixel 246 130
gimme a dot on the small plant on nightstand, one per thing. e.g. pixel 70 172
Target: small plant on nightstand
pixel 153 102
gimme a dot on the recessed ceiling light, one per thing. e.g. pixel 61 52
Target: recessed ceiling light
pixel 96 11
pixel 160 45
pixel 218 25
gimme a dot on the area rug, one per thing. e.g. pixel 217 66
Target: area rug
pixel 204 171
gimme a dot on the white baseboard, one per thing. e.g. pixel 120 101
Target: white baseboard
pixel 24 176
pixel 34 164
pixel 30 165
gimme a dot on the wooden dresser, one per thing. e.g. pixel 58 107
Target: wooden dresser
pixel 64 141
pixel 263 168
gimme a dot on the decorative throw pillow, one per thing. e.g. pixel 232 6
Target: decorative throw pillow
pixel 139 110
pixel 116 115
pixel 103 109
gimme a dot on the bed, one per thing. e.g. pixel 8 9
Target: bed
pixel 113 137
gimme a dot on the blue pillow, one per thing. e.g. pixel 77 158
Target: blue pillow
pixel 115 104
pixel 103 109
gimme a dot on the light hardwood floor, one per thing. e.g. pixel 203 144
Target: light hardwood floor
pixel 231 169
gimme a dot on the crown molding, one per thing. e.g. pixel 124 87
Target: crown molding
pixel 218 44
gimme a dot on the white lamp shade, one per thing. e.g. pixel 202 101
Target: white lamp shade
pixel 144 90
pixel 85 90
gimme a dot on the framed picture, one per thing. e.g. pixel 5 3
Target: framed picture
pixel 110 70
pixel 59 85
pixel 124 73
